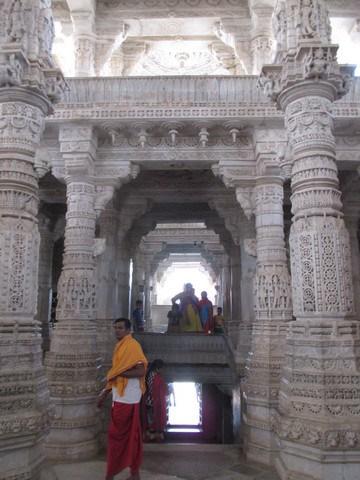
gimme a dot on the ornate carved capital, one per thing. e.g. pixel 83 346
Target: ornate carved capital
pixel 78 144
pixel 26 39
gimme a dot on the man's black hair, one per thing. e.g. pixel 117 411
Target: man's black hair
pixel 125 320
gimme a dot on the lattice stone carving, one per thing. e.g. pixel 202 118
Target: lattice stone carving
pixel 321 266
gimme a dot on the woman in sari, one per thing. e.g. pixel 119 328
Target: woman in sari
pixel 156 396
pixel 189 307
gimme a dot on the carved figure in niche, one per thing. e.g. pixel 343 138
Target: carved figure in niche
pixel 279 26
pixel 189 307
pixel 307 21
pixel 317 63
pixel 16 28
pixel 10 72
pixel 46 35
pixel 270 83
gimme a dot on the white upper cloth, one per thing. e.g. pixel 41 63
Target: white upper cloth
pixel 132 392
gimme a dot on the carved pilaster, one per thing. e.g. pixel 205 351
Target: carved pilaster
pixel 262 43
pixel 318 402
pixel 84 56
pixel 28 85
pixel 73 361
pixel 272 299
pixel 84 40
pixel 45 278
pixel 352 224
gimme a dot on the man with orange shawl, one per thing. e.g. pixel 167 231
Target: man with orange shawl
pixel 126 381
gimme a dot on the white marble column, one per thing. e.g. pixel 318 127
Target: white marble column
pixel 84 40
pixel 28 85
pixel 273 310
pixel 73 362
pixel 352 224
pixel 262 40
pixel 147 295
pixel 45 279
pixel 318 424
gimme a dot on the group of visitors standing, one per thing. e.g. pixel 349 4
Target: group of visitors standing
pixel 139 396
pixel 192 314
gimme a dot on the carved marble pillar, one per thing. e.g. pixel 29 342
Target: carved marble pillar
pixel 45 279
pixel 262 42
pixel 147 297
pixel 107 281
pixel 235 292
pixel 272 300
pixel 84 55
pixel 262 47
pixel 352 224
pixel 84 39
pixel 318 423
pixel 73 361
pixel 28 85
pixel 24 396
pixel 123 259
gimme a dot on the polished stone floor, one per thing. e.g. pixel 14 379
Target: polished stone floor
pixel 174 462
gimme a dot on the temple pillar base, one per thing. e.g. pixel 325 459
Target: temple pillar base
pixel 260 445
pixel 24 462
pixel 301 462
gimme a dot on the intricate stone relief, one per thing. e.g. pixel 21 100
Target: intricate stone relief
pixel 321 337
pixel 26 33
pixel 321 267
pixel 76 305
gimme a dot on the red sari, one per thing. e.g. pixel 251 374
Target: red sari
pixel 159 392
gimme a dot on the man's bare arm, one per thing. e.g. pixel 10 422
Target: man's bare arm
pixel 135 372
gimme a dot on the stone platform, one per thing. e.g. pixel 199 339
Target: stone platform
pixel 174 462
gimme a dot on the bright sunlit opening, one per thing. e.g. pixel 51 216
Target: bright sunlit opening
pixel 180 273
pixel 185 404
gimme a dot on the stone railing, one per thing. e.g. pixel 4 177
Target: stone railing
pixel 191 357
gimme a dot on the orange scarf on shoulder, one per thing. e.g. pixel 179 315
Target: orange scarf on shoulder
pixel 127 354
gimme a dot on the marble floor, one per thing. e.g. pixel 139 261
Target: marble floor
pixel 174 462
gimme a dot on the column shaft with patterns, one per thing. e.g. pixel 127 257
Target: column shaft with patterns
pixel 73 361
pixel 318 423
pixel 29 84
pixel 272 299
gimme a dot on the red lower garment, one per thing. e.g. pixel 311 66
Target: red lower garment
pixel 124 439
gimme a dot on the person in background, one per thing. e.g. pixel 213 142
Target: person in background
pixel 206 313
pixel 219 321
pixel 156 396
pixel 174 319
pixel 138 317
pixel 189 308
pixel 126 382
